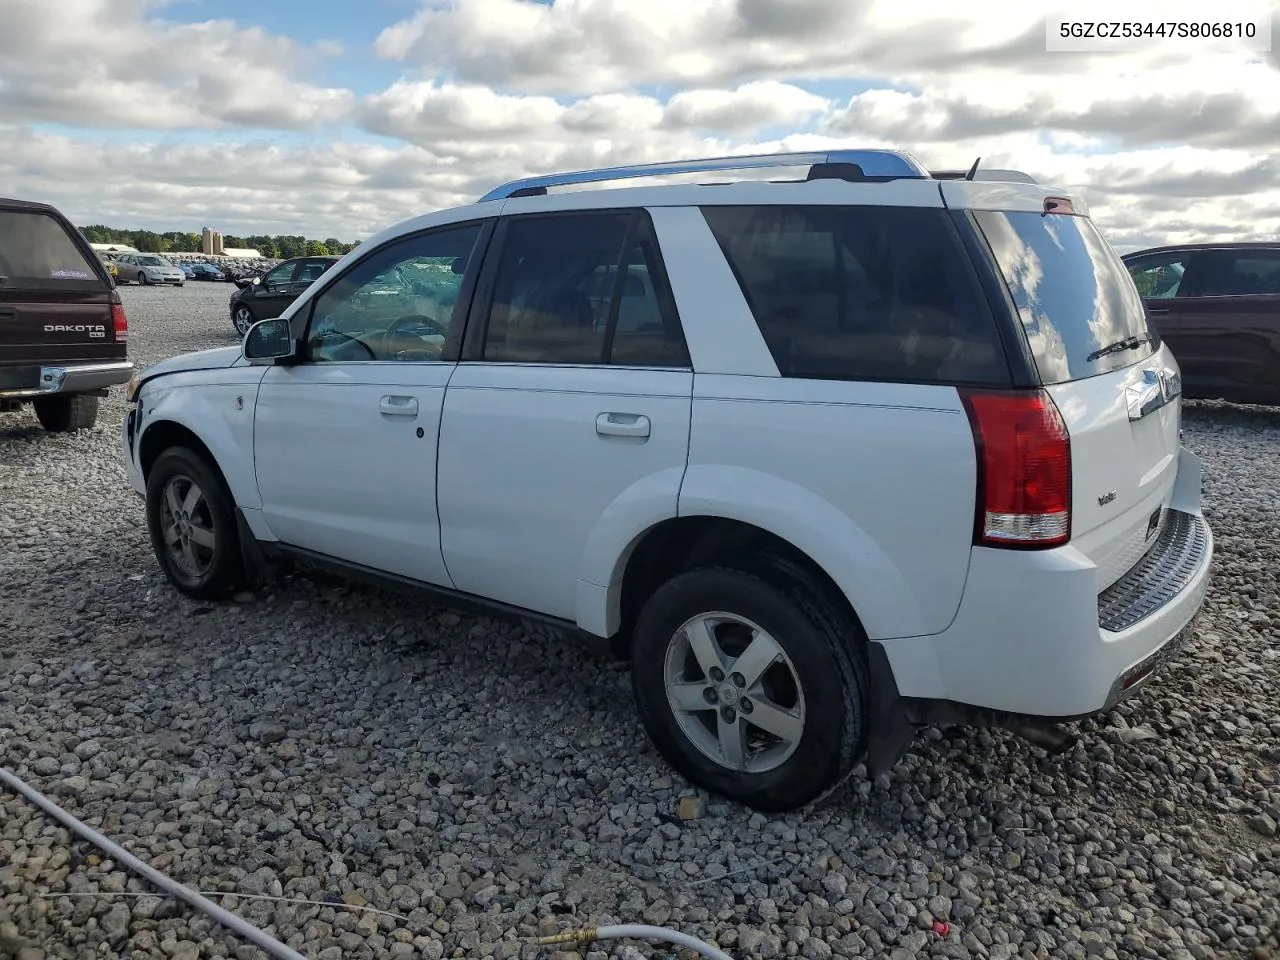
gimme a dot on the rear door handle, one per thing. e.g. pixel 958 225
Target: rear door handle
pixel 1156 311
pixel 398 407
pixel 622 425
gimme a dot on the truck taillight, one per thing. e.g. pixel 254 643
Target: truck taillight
pixel 119 322
pixel 1024 469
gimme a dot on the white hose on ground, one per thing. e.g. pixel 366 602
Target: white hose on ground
pixel 638 931
pixel 229 920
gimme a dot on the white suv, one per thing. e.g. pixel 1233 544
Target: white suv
pixel 827 457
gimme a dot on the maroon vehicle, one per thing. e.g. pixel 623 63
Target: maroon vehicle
pixel 62 324
pixel 1217 305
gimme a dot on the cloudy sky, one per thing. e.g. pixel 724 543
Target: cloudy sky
pixel 336 118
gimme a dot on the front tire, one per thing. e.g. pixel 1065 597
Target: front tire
pixel 752 685
pixel 66 412
pixel 144 279
pixel 191 519
pixel 242 317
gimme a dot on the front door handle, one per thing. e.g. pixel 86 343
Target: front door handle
pixel 1158 311
pixel 398 407
pixel 622 425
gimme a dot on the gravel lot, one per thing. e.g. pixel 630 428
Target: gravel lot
pixel 488 782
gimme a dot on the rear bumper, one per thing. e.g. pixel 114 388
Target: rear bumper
pixel 72 378
pixel 1034 638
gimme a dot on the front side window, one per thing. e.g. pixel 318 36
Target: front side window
pixel 582 289
pixel 1159 278
pixel 1073 294
pixel 400 303
pixel 280 275
pixel 861 292
pixel 35 250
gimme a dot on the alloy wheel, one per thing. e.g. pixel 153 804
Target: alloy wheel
pixel 187 524
pixel 734 692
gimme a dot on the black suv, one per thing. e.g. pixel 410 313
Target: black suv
pixel 62 324
pixel 264 297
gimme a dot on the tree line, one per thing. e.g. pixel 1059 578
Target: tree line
pixel 279 247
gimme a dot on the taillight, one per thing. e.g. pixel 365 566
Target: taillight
pixel 119 322
pixel 1024 469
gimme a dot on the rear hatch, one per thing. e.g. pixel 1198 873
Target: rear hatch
pixel 55 296
pixel 1115 387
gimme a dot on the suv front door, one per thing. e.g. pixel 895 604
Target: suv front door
pixel 345 439
pixel 275 290
pixel 569 414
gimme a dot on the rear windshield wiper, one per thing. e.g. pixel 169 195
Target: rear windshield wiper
pixel 1128 343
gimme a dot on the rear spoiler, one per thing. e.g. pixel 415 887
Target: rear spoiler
pixel 1016 176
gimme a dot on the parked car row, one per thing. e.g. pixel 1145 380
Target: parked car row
pixel 153 268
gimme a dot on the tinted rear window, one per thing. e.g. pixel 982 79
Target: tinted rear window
pixel 861 293
pixel 1072 291
pixel 35 250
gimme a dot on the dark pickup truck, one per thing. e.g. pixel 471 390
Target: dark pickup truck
pixel 62 324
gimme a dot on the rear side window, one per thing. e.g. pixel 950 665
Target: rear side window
pixel 1239 274
pixel 861 293
pixel 35 251
pixel 1073 293
pixel 582 289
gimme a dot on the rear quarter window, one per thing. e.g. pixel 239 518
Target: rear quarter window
pixel 36 251
pixel 1072 292
pixel 862 293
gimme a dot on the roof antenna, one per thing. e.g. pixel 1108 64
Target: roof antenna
pixel 973 171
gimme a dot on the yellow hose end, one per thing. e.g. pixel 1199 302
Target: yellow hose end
pixel 583 935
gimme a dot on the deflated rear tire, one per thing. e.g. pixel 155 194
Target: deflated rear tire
pixel 67 412
pixel 752 685
pixel 191 519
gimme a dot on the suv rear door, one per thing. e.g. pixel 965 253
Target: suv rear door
pixel 569 413
pixel 1075 299
pixel 1228 326
pixel 55 296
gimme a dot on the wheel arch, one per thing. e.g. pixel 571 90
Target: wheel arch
pixel 160 435
pixel 216 445
pixel 683 543
pixel 721 508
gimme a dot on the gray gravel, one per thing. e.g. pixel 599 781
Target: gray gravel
pixel 488 781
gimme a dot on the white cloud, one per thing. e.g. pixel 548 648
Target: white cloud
pixel 588 46
pixel 1167 144
pixel 112 63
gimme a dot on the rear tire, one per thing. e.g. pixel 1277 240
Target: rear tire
pixel 813 696
pixel 67 412
pixel 191 519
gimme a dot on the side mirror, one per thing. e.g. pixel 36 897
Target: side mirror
pixel 268 341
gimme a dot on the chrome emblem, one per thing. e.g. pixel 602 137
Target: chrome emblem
pixel 1106 498
pixel 1158 387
